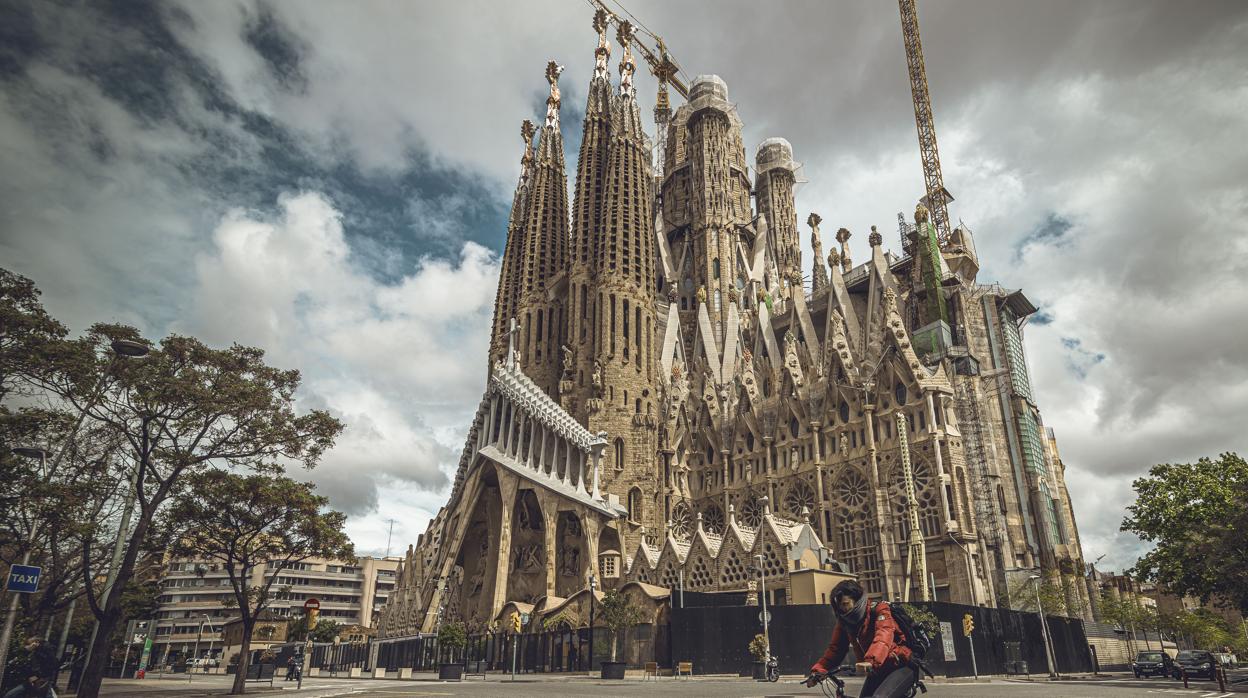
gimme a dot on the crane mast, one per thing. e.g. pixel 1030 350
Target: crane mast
pixel 937 196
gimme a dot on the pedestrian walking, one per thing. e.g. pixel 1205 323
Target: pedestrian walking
pixel 290 668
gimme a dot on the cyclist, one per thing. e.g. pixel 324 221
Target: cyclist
pixel 877 642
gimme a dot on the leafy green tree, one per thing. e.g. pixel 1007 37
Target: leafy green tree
pixel 618 614
pixel 325 631
pixel 183 409
pixel 256 521
pixel 1195 514
pixel 453 636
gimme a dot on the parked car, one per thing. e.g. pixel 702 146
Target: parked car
pixel 1151 664
pixel 1198 664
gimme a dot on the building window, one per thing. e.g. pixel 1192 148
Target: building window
pixel 634 504
pixel 619 454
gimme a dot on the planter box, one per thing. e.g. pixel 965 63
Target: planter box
pixel 379 672
pixel 759 672
pixel 613 670
pixel 405 673
pixel 354 672
pixel 451 672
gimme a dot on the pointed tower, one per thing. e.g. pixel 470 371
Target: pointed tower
pixel 508 295
pixel 706 205
pixel 623 377
pixel 587 233
pixel 545 252
pixel 774 179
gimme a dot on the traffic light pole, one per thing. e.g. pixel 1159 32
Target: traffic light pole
pixel 968 628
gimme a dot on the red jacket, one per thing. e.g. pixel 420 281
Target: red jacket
pixel 879 641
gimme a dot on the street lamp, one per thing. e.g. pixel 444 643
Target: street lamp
pixel 128 349
pixel 211 629
pixel 762 578
pixel 593 583
pixel 11 614
pixel 1049 657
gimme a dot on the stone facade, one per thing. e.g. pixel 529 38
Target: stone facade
pixel 698 404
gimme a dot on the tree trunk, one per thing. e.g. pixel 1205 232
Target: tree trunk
pixel 614 639
pixel 93 673
pixel 244 659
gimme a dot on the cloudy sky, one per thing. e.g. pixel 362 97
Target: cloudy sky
pixel 330 181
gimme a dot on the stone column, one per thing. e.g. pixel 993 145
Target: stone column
pixel 507 487
pixel 944 478
pixel 550 520
pixel 590 527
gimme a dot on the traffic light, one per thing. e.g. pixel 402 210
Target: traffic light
pixel 968 625
pixel 515 622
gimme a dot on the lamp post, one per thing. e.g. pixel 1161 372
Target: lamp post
pixel 211 629
pixel 133 350
pixel 1049 657
pixel 190 668
pixel 593 582
pixel 762 578
pixel 11 614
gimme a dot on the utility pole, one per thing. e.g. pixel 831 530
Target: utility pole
pixel 916 553
pixel 389 535
pixel 762 578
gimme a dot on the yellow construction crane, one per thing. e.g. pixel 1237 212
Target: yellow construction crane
pixel 937 196
pixel 662 65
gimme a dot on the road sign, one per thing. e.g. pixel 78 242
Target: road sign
pixel 312 604
pixel 23 579
pixel 946 638
pixel 764 617
pixel 524 619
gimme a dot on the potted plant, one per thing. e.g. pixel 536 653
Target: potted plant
pixel 618 614
pixel 453 636
pixel 758 650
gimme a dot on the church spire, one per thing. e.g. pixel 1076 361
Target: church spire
pixel 587 227
pixel 508 279
pixel 544 251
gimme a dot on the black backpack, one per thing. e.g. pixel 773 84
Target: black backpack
pixel 917 637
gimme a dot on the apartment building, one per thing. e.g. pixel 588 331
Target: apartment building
pixel 197 599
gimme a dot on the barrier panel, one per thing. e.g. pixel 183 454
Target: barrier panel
pixel 716 639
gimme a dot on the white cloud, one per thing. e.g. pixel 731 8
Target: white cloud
pixel 398 363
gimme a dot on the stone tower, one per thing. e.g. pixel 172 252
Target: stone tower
pixel 773 181
pixel 584 329
pixel 615 294
pixel 706 197
pixel 509 278
pixel 545 252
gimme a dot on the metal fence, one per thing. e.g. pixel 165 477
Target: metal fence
pixel 556 650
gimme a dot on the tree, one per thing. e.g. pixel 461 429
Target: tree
pixel 1195 514
pixel 183 409
pixel 325 631
pixel 250 522
pixel 618 614
pixel 453 638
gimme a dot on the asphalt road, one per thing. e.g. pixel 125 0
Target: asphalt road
pixel 552 686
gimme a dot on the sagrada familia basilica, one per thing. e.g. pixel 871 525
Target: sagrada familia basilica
pixel 668 398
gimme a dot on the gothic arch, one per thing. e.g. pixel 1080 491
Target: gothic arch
pixel 854 531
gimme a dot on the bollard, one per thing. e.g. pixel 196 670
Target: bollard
pixel 1221 676
pixel 1184 672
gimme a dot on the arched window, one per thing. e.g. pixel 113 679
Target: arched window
pixel 634 504
pixel 619 454
pixel 715 267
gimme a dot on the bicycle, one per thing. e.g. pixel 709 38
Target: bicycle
pixel 822 678
pixel 839 690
